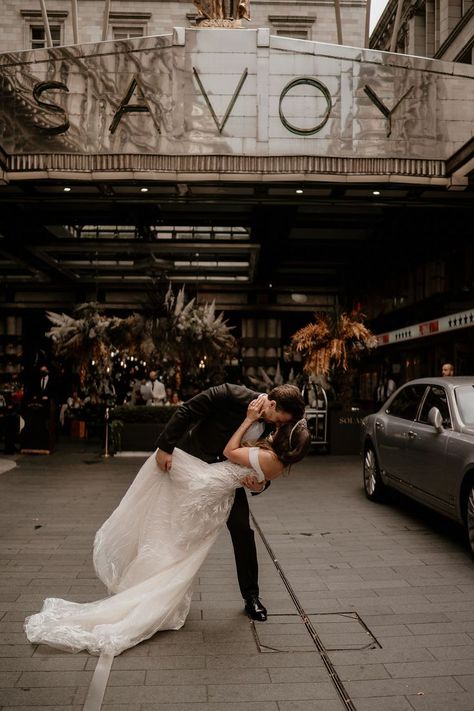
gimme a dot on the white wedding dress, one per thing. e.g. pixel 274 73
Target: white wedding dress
pixel 147 554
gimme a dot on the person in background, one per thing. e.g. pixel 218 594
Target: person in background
pixel 391 386
pixel 44 387
pixel 447 370
pixel 18 394
pixel 156 388
pixel 66 413
pixel 74 400
pixel 93 398
pixel 46 395
pixel 175 399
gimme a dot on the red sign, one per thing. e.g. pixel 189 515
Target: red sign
pixel 429 327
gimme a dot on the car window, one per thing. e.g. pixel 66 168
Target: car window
pixel 436 397
pixel 465 401
pixel 406 402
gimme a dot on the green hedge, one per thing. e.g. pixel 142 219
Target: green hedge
pixel 143 413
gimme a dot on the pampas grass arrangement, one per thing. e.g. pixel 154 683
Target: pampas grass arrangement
pixel 331 342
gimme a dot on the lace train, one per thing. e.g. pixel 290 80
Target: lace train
pixel 147 554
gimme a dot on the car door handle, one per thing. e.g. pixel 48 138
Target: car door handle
pixel 379 425
pixel 411 434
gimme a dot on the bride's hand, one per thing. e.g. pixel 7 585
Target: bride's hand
pixel 255 408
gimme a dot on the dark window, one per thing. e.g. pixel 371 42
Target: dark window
pixel 121 33
pixel 297 34
pixel 467 56
pixel 38 36
pixel 406 403
pixel 436 397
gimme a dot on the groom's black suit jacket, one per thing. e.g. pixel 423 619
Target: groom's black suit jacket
pixel 203 425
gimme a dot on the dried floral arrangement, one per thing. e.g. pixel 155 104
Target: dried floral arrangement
pixel 331 342
pixel 189 333
pixel 173 334
pixel 90 337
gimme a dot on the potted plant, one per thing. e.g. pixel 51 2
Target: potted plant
pixel 178 336
pixel 329 347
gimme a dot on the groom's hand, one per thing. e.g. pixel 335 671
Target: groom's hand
pixel 163 459
pixel 251 482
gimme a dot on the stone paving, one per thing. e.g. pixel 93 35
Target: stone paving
pixel 406 572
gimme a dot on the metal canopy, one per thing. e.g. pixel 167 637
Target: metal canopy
pixel 242 239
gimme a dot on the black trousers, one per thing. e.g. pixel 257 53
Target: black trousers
pixel 243 540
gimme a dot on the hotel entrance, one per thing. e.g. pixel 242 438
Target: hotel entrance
pixel 274 177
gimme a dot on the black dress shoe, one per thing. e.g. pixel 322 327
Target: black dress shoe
pixel 255 609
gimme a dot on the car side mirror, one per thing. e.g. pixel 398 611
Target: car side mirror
pixel 435 418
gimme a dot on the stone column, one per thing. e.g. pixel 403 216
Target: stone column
pixel 416 35
pixel 430 28
pixel 449 16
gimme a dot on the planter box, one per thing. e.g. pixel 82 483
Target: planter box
pixel 139 436
pixel 344 431
pixel 78 429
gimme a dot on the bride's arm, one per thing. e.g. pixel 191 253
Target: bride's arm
pixel 269 463
pixel 254 411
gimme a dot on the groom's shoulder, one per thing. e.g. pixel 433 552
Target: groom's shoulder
pixel 240 392
pixel 230 392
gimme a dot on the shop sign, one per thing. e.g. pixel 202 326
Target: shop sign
pixel 444 324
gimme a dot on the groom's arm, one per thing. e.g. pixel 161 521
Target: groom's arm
pixel 190 412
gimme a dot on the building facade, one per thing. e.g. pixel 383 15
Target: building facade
pixel 442 29
pixel 279 177
pixel 22 25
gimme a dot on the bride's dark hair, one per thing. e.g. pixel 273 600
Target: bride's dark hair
pixel 290 442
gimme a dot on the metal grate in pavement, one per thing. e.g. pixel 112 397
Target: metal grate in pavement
pixel 338 631
pixel 317 641
pixel 345 629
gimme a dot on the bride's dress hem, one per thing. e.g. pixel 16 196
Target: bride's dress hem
pixel 147 553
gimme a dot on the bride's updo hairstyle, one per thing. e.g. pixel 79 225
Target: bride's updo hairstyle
pixel 291 442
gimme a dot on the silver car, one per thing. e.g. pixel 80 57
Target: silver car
pixel 421 442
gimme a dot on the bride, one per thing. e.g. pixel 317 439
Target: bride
pixel 150 549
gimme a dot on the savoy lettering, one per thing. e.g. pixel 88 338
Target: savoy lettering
pixel 38 90
pixel 128 104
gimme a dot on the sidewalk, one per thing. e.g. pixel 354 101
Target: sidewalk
pixel 6 463
pixel 388 590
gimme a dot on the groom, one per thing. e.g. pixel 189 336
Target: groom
pixel 202 427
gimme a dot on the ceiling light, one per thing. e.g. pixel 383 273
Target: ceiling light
pixel 182 189
pixel 299 298
pixel 375 192
pixel 143 190
pixel 67 190
pixel 207 277
pixel 217 264
pixel 299 192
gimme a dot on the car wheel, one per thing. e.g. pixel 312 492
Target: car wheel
pixel 373 484
pixel 470 516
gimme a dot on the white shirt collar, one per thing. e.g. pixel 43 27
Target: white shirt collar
pixel 254 431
